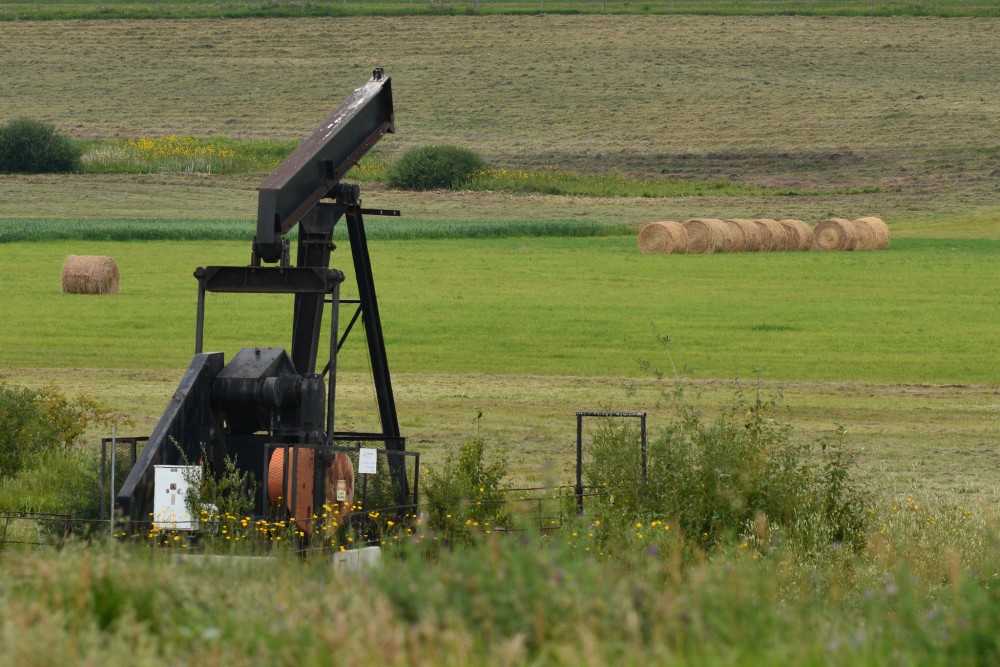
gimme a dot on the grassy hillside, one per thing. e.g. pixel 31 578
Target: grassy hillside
pixel 902 112
pixel 635 92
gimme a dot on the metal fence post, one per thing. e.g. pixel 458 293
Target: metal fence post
pixel 643 445
pixel 111 514
pixel 579 463
pixel 579 447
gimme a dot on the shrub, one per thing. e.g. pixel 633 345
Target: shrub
pixel 435 167
pixel 35 422
pixel 467 494
pixel 33 147
pixel 739 476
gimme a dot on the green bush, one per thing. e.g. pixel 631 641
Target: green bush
pixel 466 496
pixel 434 168
pixel 33 422
pixel 33 147
pixel 739 477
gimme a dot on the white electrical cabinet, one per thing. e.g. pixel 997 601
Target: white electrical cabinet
pixel 170 489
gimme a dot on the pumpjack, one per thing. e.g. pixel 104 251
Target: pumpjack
pixel 268 402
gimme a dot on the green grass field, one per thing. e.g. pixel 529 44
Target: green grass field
pixel 923 311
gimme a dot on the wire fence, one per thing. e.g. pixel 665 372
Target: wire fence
pixel 375 514
pixel 541 509
pixel 29 530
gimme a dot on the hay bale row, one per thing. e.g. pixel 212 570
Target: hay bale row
pixel 707 235
pixel 90 274
pixel 744 235
pixel 866 233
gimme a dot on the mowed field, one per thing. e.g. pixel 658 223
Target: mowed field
pixel 905 105
pixel 899 346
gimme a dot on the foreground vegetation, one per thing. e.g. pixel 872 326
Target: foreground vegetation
pixel 712 575
pixel 505 602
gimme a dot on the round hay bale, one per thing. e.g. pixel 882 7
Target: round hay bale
pixel 772 234
pixel 90 274
pixel 666 236
pixel 750 234
pixel 800 234
pixel 725 233
pixel 705 235
pixel 879 231
pixel 834 234
pixel 789 238
pixel 737 236
pixel 864 235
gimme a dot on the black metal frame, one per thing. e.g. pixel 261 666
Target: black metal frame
pixel 579 447
pixel 304 190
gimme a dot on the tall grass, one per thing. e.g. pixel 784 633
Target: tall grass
pixel 919 586
pixel 13 230
pixel 505 601
pixel 123 229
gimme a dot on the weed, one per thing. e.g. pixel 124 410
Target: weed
pixel 174 154
pixel 226 494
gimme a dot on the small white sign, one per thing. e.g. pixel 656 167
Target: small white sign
pixel 367 461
